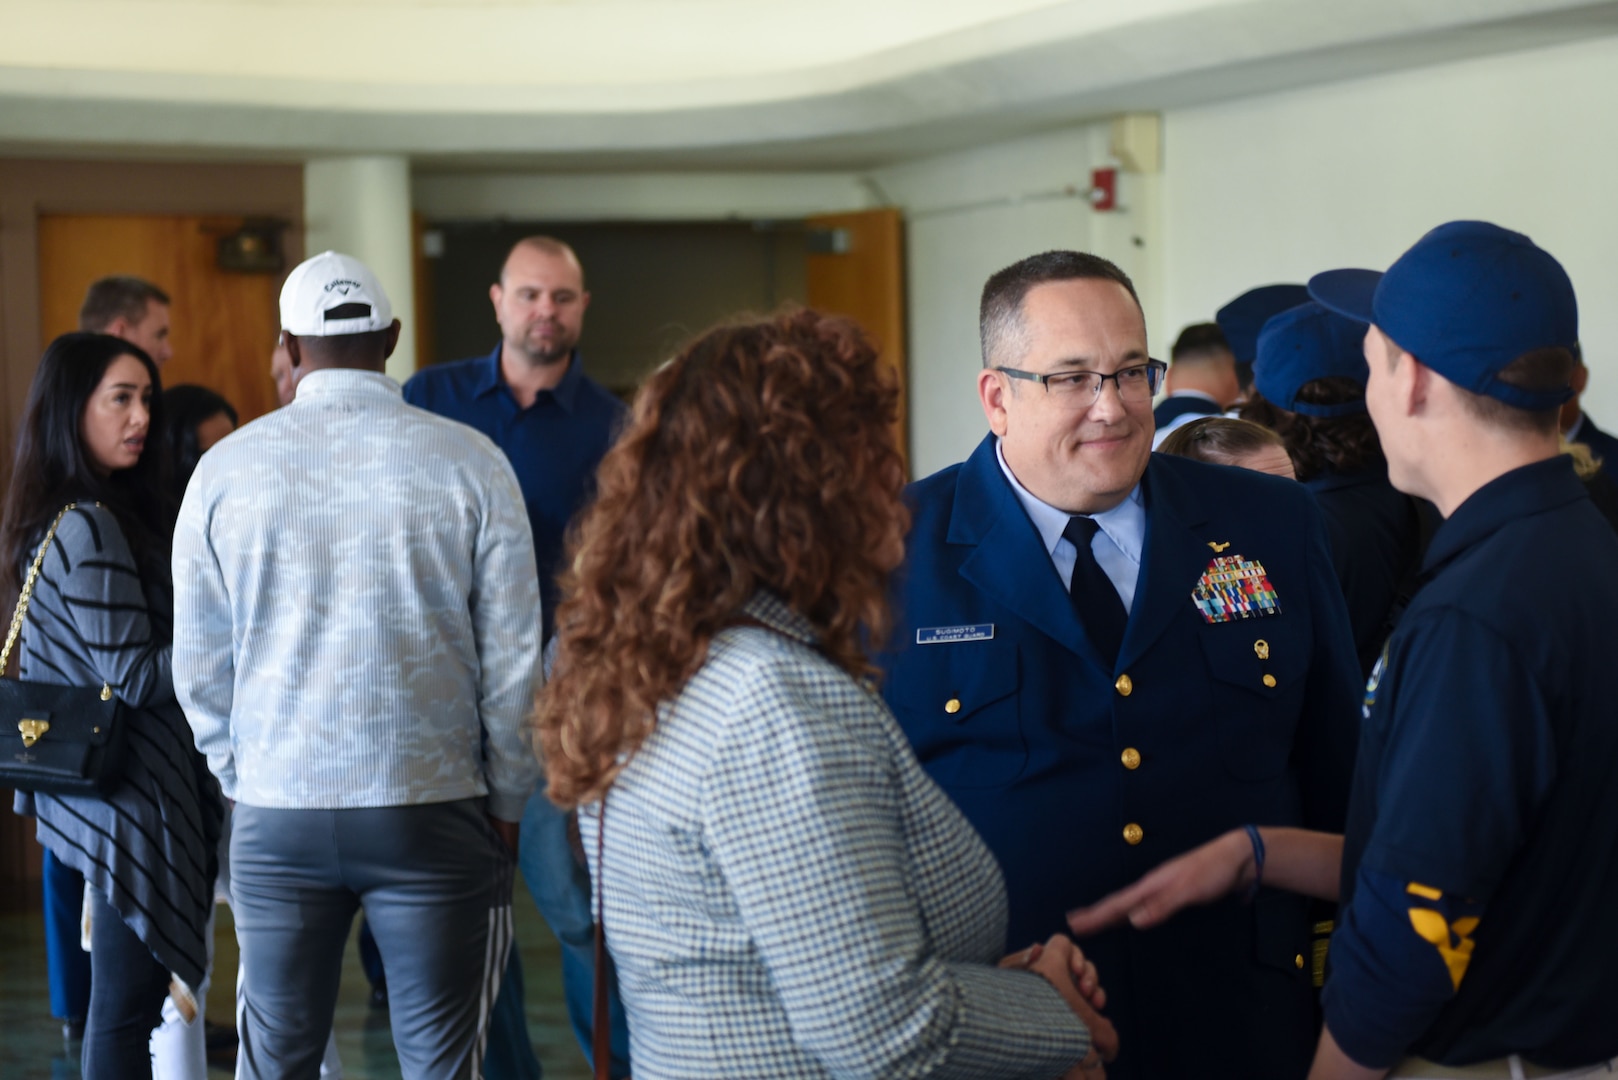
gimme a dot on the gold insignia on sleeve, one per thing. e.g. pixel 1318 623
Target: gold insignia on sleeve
pixel 1217 547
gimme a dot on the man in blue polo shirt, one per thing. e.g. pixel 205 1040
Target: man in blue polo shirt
pixel 531 396
pixel 1475 936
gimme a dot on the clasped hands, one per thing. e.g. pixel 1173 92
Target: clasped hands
pixel 1064 966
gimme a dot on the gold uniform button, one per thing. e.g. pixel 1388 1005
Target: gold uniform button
pixel 952 706
pixel 1133 834
pixel 1297 961
pixel 1262 649
pixel 1131 758
pixel 1125 685
pixel 1269 680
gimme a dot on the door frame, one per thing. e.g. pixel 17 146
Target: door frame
pixel 29 188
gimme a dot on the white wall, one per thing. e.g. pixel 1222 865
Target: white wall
pixel 360 206
pixel 536 196
pixel 970 214
pixel 1278 187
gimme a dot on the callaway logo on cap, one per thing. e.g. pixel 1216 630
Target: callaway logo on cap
pixel 333 294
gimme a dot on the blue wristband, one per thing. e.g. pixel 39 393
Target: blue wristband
pixel 1258 862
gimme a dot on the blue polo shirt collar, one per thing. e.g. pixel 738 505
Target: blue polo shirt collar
pixel 1530 489
pixel 565 392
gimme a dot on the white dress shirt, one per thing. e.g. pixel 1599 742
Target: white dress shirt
pixel 1117 545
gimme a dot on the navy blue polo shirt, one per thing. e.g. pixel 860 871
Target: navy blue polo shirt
pixel 554 445
pixel 1487 775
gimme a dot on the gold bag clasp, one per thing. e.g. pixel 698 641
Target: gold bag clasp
pixel 32 730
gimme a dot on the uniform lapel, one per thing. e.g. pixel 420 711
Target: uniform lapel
pixel 1173 558
pixel 1009 561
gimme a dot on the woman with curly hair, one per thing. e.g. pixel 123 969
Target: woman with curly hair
pixel 784 891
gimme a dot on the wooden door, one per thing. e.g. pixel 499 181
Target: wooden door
pixel 862 276
pixel 223 324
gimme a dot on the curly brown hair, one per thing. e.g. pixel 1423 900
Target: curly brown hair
pixel 1317 444
pixel 761 457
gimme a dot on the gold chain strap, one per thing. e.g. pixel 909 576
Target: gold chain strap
pixel 27 593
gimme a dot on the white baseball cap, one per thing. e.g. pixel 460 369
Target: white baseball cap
pixel 333 294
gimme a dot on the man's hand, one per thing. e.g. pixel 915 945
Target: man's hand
pixel 1200 876
pixel 507 831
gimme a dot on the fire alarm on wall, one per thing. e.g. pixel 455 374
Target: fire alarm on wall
pixel 1103 189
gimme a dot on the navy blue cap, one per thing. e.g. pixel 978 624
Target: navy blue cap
pixel 1243 318
pixel 1467 300
pixel 1305 343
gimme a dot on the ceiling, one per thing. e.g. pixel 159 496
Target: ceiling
pixel 626 84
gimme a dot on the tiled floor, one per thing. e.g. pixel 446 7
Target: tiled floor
pixel 31 1047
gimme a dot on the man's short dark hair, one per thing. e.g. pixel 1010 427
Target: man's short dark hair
pixel 1000 324
pixel 1200 341
pixel 365 347
pixel 1539 370
pixel 118 297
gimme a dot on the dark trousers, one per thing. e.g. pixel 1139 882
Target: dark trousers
pixel 66 963
pixel 127 989
pixel 434 882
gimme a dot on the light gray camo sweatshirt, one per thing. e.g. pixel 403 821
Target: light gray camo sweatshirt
pixel 356 608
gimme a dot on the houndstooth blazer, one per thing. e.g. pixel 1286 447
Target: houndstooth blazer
pixel 788 895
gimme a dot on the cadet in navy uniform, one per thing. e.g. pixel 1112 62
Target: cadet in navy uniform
pixel 1309 387
pixel 1242 319
pixel 1200 674
pixel 1201 380
pixel 1477 874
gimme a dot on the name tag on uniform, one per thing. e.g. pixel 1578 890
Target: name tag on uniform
pixel 1235 587
pixel 946 635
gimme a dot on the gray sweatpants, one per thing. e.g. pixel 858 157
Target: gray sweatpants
pixel 435 884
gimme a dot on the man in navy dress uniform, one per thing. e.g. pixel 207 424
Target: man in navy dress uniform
pixel 1476 875
pixel 1107 657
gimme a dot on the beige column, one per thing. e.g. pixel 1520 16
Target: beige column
pixel 360 206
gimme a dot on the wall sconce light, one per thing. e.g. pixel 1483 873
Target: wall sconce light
pixel 255 248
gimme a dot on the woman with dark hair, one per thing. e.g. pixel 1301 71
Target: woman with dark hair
pixel 99 615
pixel 197 418
pixel 784 891
pixel 1309 387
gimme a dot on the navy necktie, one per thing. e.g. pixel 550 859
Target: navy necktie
pixel 1094 598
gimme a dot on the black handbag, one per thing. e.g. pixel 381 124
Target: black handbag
pixel 61 740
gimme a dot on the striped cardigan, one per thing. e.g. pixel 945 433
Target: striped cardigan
pixel 151 845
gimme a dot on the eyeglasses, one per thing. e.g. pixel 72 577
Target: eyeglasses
pixel 1138 382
